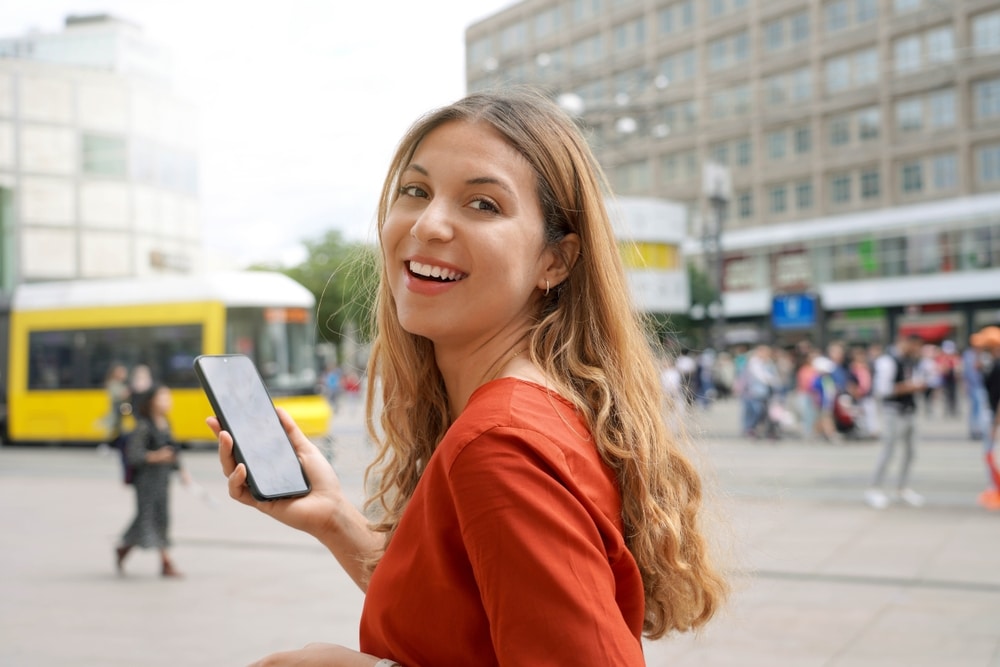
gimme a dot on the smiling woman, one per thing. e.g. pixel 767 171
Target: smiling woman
pixel 532 504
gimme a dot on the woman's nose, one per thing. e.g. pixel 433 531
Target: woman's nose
pixel 433 223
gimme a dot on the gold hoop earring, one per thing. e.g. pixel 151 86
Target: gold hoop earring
pixel 546 288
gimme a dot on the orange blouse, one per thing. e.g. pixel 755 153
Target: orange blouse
pixel 510 551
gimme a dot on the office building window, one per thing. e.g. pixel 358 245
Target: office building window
pixel 775 86
pixel 730 102
pixel 679 117
pixel 620 37
pixel 728 51
pixel 904 6
pixel 870 186
pixel 802 84
pixel 668 168
pixel 774 35
pixel 907 54
pixel 840 189
pixel 717 8
pixel 945 171
pixel 582 10
pixel 869 123
pixel 800 27
pixel 804 195
pixel 932 47
pixel 633 177
pixel 776 145
pixel 679 66
pixel 513 37
pixel 941 45
pixel 988 162
pixel 548 22
pixel 687 13
pixel 910 115
pixel 986 33
pixel 718 54
pixel 720 153
pixel 866 10
pixel 866 67
pixel 840 130
pixel 679 167
pixel 103 155
pixel 744 152
pixel 629 36
pixel 741 47
pixel 838 75
pixel 852 70
pixel 942 108
pixel 841 14
pixel 665 20
pixel 744 205
pixel 912 177
pixel 987 99
pixel 803 140
pixel 588 50
pixel 778 203
pixel 480 50
pixel 835 15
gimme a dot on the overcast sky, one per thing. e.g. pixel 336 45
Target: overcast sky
pixel 301 102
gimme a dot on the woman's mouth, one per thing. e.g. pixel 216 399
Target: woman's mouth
pixel 434 273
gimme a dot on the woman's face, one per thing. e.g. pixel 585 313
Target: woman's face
pixel 161 402
pixel 463 243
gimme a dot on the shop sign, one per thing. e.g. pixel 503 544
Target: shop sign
pixel 794 311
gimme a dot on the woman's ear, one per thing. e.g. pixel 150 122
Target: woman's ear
pixel 562 259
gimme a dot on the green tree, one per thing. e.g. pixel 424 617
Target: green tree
pixel 343 277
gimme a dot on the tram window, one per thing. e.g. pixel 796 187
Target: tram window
pixel 79 359
pixel 279 342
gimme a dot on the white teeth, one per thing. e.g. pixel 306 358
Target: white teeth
pixel 430 271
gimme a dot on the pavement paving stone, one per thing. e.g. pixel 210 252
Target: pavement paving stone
pixel 819 578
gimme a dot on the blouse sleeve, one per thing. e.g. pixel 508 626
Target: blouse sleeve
pixel 538 556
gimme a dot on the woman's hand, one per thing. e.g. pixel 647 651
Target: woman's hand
pixel 318 655
pixel 311 513
pixel 162 455
pixel 324 512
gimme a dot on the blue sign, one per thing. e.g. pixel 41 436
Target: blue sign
pixel 794 311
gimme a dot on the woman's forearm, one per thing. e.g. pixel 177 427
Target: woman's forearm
pixel 349 537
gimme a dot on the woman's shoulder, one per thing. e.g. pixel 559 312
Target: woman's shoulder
pixel 517 403
pixel 523 415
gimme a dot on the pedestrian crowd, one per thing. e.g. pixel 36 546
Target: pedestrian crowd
pixel 843 392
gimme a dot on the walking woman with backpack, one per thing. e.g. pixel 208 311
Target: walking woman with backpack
pixel 152 457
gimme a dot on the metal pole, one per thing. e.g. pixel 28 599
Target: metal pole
pixel 719 208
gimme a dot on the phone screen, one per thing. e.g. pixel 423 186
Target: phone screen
pixel 244 408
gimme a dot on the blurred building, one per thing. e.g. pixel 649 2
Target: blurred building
pixel 862 138
pixel 653 252
pixel 98 157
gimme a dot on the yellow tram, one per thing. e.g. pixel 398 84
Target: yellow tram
pixel 64 336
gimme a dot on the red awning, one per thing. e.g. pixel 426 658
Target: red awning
pixel 930 332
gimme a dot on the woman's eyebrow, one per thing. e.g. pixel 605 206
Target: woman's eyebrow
pixel 478 180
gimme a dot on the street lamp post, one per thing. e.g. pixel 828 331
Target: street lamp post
pixel 718 190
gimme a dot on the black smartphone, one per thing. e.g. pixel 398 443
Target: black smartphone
pixel 244 409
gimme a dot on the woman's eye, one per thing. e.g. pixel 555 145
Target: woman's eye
pixel 412 191
pixel 485 205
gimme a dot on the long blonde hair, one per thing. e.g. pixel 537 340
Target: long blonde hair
pixel 587 339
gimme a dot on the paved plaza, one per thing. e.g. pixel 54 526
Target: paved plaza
pixel 819 578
